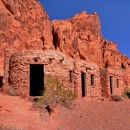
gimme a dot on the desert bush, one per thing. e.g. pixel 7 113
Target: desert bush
pixel 9 127
pixel 117 98
pixel 55 92
pixel 126 92
pixel 12 91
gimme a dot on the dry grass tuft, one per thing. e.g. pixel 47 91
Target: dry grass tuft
pixel 9 127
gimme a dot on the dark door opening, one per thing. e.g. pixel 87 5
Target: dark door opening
pixel 36 79
pixel 83 83
pixel 111 85
pixel 1 83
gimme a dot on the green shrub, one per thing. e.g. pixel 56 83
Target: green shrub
pixel 117 98
pixel 55 92
pixel 127 92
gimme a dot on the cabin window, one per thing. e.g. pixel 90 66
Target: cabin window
pixel 71 76
pixel 92 79
pixel 122 66
pixel 117 83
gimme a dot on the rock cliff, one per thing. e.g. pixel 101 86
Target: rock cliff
pixel 24 24
pixel 81 36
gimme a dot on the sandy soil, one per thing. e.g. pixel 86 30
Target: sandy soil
pixel 97 115
pixel 87 114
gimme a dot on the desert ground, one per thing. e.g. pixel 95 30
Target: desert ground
pixel 86 114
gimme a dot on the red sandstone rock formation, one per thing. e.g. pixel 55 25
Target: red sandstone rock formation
pixel 81 34
pixel 23 25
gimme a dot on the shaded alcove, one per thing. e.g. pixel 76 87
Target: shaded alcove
pixel 55 39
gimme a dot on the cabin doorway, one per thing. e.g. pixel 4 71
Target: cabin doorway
pixel 83 84
pixel 36 79
pixel 111 85
pixel 1 81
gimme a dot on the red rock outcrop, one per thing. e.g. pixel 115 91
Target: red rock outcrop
pixel 80 37
pixel 24 24
pixel 80 34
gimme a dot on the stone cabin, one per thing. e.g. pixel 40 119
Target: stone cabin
pixel 25 71
pixel 98 70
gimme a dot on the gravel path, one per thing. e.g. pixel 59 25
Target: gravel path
pixel 96 115
pixel 86 115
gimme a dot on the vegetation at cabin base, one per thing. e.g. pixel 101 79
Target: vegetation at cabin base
pixel 117 98
pixel 12 91
pixel 54 92
pixel 9 127
pixel 127 92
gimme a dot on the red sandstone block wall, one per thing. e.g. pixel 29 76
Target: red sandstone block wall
pixel 17 73
pixel 54 63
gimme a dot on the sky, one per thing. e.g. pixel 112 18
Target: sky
pixel 114 16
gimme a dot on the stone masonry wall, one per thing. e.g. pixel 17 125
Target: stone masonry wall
pixel 7 54
pixel 117 75
pixel 80 48
pixel 88 68
pixel 55 63
pixel 118 86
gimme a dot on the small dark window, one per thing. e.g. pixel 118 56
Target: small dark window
pixel 117 83
pixel 122 66
pixel 92 79
pixel 71 76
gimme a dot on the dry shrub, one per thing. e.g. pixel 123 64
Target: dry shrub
pixel 126 92
pixel 117 98
pixel 55 92
pixel 12 91
pixel 9 127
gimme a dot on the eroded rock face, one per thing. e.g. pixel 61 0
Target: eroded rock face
pixel 79 35
pixel 24 25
